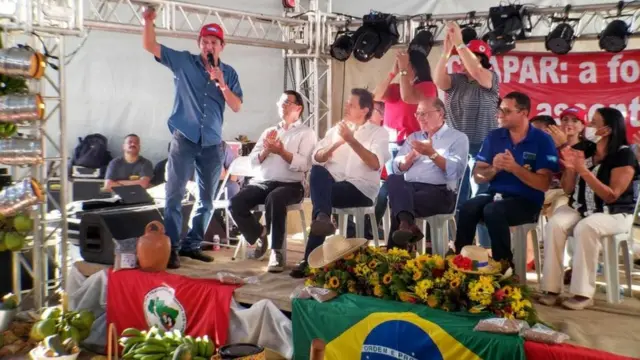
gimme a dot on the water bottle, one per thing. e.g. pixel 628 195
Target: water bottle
pixel 216 242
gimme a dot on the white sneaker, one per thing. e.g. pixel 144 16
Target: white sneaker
pixel 276 261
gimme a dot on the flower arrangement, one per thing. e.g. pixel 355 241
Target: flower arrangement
pixel 426 279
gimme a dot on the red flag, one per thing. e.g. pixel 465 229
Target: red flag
pixel 196 307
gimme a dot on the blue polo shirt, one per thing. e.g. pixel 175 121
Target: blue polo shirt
pixel 535 152
pixel 198 107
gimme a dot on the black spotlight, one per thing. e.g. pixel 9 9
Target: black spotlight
pixel 375 37
pixel 499 43
pixel 560 40
pixel 342 46
pixel 468 34
pixel 615 36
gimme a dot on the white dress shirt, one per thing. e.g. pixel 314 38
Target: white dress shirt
pixel 299 140
pixel 449 143
pixel 345 165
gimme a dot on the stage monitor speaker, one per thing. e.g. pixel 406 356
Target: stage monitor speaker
pixel 99 229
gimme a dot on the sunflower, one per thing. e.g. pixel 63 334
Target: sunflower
pixel 422 288
pixel 349 256
pixel 334 282
pixel 373 264
pixel 386 279
pixel 508 290
pixel 455 283
pixel 377 291
pixel 439 261
pixel 432 301
pixel 417 275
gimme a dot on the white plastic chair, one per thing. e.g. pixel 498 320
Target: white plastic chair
pixel 439 226
pixel 358 214
pixel 241 167
pixel 519 249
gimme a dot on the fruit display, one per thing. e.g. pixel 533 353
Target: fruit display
pixel 9 302
pixel 157 344
pixel 75 325
pixel 7 129
pixel 53 346
pixel 14 231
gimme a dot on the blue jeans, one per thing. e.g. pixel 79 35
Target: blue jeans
pixel 468 189
pixel 185 157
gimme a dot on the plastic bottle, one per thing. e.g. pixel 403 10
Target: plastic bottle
pixel 216 242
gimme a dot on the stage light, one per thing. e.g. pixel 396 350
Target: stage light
pixel 499 44
pixel 18 108
pixel 614 37
pixel 507 23
pixel 342 46
pixel 468 34
pixel 423 40
pixel 560 40
pixel 22 61
pixel 375 37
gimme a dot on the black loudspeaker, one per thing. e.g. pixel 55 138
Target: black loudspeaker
pixel 99 229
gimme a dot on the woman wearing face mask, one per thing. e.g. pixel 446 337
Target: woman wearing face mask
pixel 600 181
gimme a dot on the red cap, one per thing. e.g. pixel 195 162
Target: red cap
pixel 580 114
pixel 212 30
pixel 477 46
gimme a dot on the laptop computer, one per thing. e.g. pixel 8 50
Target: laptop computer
pixel 133 195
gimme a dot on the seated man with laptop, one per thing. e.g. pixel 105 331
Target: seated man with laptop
pixel 130 169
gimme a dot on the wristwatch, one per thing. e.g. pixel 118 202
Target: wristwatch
pixel 403 72
pixel 434 156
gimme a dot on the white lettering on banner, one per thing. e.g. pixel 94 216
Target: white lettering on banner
pixel 394 354
pixel 510 65
pixel 631 110
pixel 589 73
pixel 528 72
pixel 628 71
pixel 548 67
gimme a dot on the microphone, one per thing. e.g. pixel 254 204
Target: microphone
pixel 212 62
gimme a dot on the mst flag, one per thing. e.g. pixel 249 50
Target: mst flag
pixel 357 327
pixel 196 307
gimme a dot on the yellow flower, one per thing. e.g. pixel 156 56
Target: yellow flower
pixel 476 309
pixel 421 260
pixel 422 288
pixel 410 265
pixel 377 290
pixel 313 271
pixel 517 294
pixel 480 292
pixel 400 253
pixel 349 256
pixel 405 296
pixel 486 281
pixel 527 303
pixel 374 279
pixel 439 261
pixel 521 314
pixel 386 279
pixel 432 301
pixel 334 282
pixel 455 283
pixel 509 316
pixel 508 290
pixel 373 264
pixel 308 282
pixel 417 275
pixel 362 270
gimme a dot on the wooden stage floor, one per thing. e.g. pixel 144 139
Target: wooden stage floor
pixel 613 328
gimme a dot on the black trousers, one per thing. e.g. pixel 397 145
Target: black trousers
pixel 276 196
pixel 418 199
pixel 498 216
pixel 326 194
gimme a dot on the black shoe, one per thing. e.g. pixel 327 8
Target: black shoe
pixel 300 271
pixel 406 235
pixel 196 255
pixel 174 260
pixel 261 248
pixel 322 226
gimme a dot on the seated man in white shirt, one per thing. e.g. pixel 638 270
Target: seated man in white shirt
pixel 346 171
pixel 281 157
pixel 426 173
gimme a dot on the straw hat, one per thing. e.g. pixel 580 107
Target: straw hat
pixel 480 262
pixel 334 248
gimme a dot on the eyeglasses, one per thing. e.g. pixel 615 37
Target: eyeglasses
pixel 286 102
pixel 419 114
pixel 506 111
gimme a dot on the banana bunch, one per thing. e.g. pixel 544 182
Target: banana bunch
pixel 7 129
pixel 156 344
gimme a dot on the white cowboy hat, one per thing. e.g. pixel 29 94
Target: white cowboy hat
pixel 334 248
pixel 480 257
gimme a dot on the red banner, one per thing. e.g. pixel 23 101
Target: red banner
pixel 587 80
pixel 196 307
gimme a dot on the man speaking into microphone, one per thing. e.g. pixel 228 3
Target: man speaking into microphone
pixel 204 85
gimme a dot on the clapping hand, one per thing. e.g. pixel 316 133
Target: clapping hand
pixel 423 147
pixel 272 144
pixel 572 159
pixel 402 59
pixel 558 136
pixel 344 131
pixel 149 15
pixel 504 161
pixel 455 33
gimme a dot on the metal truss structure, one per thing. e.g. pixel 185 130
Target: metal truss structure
pixel 304 34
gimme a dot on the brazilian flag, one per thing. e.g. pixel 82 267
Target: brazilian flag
pixel 357 327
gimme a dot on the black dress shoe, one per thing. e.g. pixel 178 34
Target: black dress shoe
pixel 174 260
pixel 300 270
pixel 196 255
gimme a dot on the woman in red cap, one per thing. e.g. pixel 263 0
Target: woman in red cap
pixel 472 102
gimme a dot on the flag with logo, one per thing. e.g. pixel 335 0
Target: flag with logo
pixel 357 327
pixel 196 307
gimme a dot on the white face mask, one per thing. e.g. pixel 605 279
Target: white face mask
pixel 590 134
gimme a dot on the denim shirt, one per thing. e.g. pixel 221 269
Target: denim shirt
pixel 198 108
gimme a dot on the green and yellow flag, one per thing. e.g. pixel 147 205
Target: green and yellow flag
pixel 366 328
